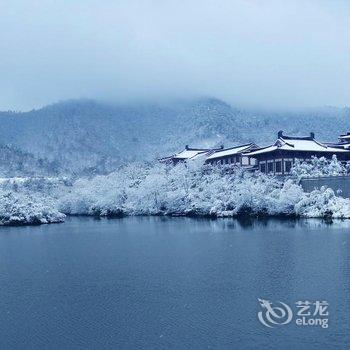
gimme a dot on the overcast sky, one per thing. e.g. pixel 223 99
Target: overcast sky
pixel 274 54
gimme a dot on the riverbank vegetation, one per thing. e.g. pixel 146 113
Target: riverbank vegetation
pixel 184 190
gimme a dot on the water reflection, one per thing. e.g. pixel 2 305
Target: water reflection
pixel 162 282
pixel 249 223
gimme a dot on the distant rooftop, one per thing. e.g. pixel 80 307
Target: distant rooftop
pixel 294 143
pixel 231 151
pixel 345 137
pixel 191 153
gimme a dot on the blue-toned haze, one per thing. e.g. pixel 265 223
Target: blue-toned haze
pixel 252 53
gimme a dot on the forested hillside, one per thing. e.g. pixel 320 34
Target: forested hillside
pixel 90 137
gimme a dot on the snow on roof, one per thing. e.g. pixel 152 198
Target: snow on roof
pixel 190 153
pixel 338 144
pixel 304 145
pixel 230 151
pixel 262 150
pixel 345 136
pixel 297 144
pixel 202 155
pixel 343 145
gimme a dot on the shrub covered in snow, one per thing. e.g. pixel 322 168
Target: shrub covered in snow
pixel 23 209
pixel 157 189
pixel 193 190
pixel 319 167
pixel 323 203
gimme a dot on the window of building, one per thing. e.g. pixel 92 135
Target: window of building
pixel 245 160
pixel 262 167
pixel 226 161
pixel 270 166
pixel 278 166
pixel 288 165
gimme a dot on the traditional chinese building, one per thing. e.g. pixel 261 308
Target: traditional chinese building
pixel 279 157
pixel 344 142
pixel 189 153
pixel 345 138
pixel 233 155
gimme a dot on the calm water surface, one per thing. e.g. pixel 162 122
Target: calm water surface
pixel 170 283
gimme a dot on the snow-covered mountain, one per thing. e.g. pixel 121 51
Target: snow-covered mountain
pixel 88 137
pixel 14 162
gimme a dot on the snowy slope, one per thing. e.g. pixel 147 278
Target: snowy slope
pixel 15 162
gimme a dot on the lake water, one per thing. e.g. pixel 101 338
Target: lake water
pixel 171 283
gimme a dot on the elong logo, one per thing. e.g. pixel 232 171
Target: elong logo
pixel 282 314
pixel 274 315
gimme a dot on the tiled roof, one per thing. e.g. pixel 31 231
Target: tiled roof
pixel 231 151
pixel 289 143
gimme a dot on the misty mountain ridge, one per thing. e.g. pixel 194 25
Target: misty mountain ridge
pixel 89 137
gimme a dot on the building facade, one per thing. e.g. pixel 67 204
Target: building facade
pixel 345 138
pixel 234 156
pixel 344 142
pixel 279 158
